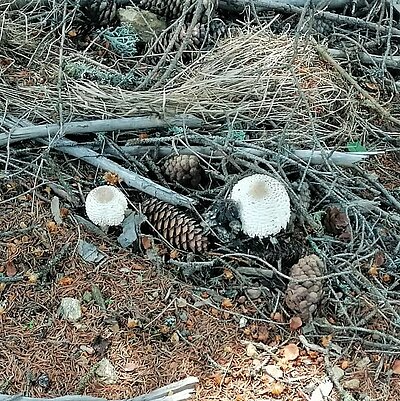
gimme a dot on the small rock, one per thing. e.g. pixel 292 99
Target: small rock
pixel 241 299
pixel 338 372
pixel 175 338
pixel 181 303
pixel 70 309
pixel 273 371
pixel 352 384
pixel 146 24
pixel 251 351
pixel 87 349
pixel 87 296
pixel 242 322
pixel 106 372
pixel 253 293
pixel 183 316
pixel 363 363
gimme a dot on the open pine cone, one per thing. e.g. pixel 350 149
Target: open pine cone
pixel 173 9
pixel 303 297
pixel 175 226
pixel 98 13
pixel 184 169
pixel 202 36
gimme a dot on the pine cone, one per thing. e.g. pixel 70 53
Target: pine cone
pixel 322 26
pixel 184 169
pixel 98 13
pixel 304 193
pixel 201 36
pixel 337 223
pixel 303 297
pixel 175 226
pixel 173 9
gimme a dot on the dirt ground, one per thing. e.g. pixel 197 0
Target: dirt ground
pixel 154 329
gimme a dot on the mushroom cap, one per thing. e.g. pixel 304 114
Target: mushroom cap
pixel 263 203
pixel 106 205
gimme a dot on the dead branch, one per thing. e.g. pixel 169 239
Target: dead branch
pixel 366 58
pixel 80 127
pixel 178 391
pixel 295 7
pixel 129 177
pixel 344 159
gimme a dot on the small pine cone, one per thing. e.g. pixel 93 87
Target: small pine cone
pixel 173 9
pixel 304 193
pixel 337 223
pixel 303 297
pixel 322 26
pixel 184 169
pixel 175 226
pixel 202 36
pixel 98 13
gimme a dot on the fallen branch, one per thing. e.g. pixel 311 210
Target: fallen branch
pixel 344 159
pixel 129 177
pixel 366 58
pixel 80 127
pixel 178 391
pixel 287 7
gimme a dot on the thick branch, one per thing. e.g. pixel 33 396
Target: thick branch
pixel 289 6
pixel 178 391
pixel 129 177
pixel 80 127
pixel 344 159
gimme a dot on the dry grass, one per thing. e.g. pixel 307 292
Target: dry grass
pixel 254 77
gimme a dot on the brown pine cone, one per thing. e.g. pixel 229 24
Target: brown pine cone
pixel 201 37
pixel 173 9
pixel 303 297
pixel 98 13
pixel 337 223
pixel 175 226
pixel 184 169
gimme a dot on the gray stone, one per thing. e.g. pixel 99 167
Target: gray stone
pixel 70 309
pixel 352 384
pixel 146 24
pixel 363 363
pixel 253 293
pixel 106 372
pixel 338 372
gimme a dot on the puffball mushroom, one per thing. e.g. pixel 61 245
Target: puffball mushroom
pixel 106 205
pixel 263 203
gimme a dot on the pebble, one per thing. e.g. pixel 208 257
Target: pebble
pixel 181 303
pixel 352 384
pixel 145 23
pixel 70 309
pixel 253 293
pixel 338 372
pixel 106 372
pixel 363 363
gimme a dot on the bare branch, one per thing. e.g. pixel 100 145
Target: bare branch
pixel 80 127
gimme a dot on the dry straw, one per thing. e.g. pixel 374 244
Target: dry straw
pixel 254 77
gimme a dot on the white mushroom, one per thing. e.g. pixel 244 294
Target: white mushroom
pixel 264 205
pixel 106 205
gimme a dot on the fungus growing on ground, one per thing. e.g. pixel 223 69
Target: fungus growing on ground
pixel 105 206
pixel 263 203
